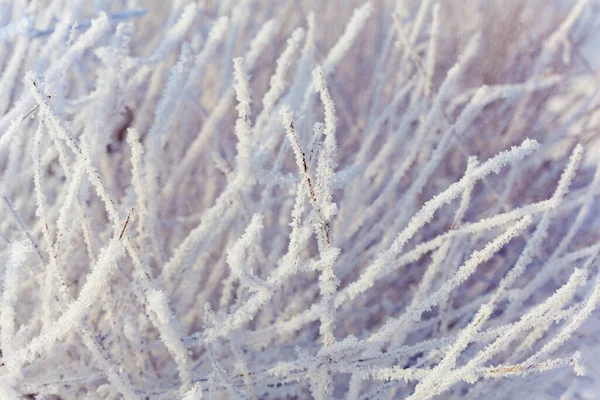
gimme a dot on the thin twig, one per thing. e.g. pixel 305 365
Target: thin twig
pixel 126 222
pixel 22 225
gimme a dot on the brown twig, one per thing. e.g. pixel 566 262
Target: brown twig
pixel 125 224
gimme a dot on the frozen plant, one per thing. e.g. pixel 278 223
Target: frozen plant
pixel 298 199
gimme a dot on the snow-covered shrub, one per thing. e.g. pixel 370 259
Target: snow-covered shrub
pixel 296 199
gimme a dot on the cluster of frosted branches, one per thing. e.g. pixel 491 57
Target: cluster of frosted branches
pixel 297 199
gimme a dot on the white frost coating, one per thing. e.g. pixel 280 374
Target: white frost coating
pixel 236 256
pixel 243 127
pixel 561 36
pixel 278 80
pixel 426 213
pixel 351 32
pixel 464 271
pixel 170 335
pixel 326 163
pixel 7 392
pixel 269 199
pixel 260 42
pixel 18 256
pixel 70 319
pixel 175 33
pixel 137 180
pixel 195 393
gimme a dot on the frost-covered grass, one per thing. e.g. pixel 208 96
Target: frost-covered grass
pixel 298 199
